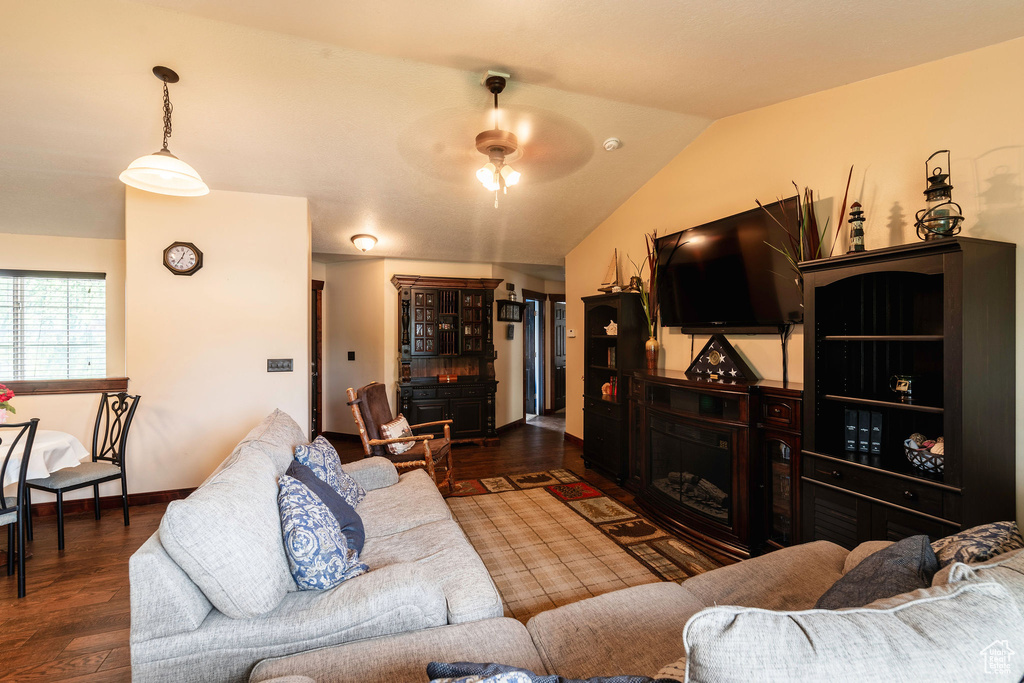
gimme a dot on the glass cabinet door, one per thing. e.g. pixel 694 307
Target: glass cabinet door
pixel 780 497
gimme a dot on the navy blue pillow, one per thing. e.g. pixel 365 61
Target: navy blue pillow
pixel 348 519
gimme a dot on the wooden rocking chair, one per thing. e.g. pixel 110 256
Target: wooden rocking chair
pixel 371 410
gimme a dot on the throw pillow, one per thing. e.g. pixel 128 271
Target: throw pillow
pixel 899 568
pixel 348 519
pixel 979 544
pixel 470 672
pixel 319 555
pixel 396 429
pixel 321 457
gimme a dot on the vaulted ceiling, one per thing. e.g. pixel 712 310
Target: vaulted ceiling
pixel 370 108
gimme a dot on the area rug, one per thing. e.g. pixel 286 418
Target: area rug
pixel 550 538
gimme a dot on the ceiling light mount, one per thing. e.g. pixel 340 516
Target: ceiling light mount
pixel 612 144
pixel 162 172
pixel 500 146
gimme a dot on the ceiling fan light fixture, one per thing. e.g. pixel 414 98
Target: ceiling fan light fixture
pixel 510 175
pixel 161 172
pixel 496 175
pixel 364 242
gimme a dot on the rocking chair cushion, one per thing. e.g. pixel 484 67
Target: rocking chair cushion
pixel 397 429
pixel 321 457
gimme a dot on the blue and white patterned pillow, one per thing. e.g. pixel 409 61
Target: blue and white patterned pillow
pixel 321 457
pixel 319 555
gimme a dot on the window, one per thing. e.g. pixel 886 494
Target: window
pixel 52 325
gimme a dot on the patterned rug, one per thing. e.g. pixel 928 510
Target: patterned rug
pixel 550 538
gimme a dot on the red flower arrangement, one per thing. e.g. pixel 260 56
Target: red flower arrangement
pixel 5 396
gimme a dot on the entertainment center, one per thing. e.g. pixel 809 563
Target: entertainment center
pixel 908 424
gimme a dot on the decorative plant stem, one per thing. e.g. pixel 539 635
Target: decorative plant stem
pixel 649 289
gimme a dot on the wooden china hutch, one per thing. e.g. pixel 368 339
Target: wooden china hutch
pixel 446 353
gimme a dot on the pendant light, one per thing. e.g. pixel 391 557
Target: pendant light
pixel 162 172
pixel 496 175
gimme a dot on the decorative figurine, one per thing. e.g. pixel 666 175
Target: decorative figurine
pixel 856 228
pixel 611 278
pixel 611 329
pixel 942 217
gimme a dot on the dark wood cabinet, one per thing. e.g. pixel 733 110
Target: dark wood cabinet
pixel 609 359
pixel 780 440
pixel 715 460
pixel 446 331
pixel 941 314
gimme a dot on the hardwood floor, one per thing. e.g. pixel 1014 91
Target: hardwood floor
pixel 73 623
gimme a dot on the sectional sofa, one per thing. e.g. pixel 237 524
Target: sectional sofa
pixel 212 595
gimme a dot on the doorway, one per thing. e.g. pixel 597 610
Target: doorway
pixel 316 391
pixel 533 359
pixel 557 352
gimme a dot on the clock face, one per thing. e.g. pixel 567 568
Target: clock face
pixel 183 258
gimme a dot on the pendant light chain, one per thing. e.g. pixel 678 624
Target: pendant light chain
pixel 167 116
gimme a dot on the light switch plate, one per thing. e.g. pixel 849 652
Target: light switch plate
pixel 279 365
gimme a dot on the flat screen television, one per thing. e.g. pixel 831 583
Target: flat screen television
pixel 723 275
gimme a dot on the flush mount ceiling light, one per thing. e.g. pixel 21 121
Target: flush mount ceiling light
pixel 162 172
pixel 364 243
pixel 496 175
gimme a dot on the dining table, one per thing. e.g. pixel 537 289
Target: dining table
pixel 52 450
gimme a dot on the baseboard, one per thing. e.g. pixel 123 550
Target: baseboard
pixel 340 436
pixel 514 424
pixel 575 440
pixel 109 502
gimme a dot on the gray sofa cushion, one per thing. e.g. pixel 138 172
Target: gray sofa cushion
pixel 443 551
pixel 789 579
pixel 227 537
pixel 412 502
pixel 405 657
pixel 372 473
pixel 635 630
pixel 395 599
pixel 277 435
pixel 931 634
pixel 1007 570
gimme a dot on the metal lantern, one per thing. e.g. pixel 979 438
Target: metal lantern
pixel 942 217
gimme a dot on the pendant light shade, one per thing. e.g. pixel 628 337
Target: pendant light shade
pixel 162 172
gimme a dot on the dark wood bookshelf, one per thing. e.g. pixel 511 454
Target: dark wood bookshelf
pixel 943 313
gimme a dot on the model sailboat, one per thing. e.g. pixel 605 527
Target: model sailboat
pixel 611 278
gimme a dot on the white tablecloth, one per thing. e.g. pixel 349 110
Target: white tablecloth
pixel 51 451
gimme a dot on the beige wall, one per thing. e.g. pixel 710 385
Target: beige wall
pixel 198 346
pixel 353 305
pixel 886 127
pixel 364 318
pixel 73 413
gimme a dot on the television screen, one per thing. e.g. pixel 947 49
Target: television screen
pixel 724 274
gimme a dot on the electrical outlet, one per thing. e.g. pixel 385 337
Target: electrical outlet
pixel 351 355
pixel 279 365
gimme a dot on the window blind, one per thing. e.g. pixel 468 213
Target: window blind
pixel 52 325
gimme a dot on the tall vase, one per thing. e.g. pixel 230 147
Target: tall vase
pixel 652 348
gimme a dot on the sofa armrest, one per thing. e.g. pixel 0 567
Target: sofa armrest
pixel 164 600
pixel 788 579
pixel 860 553
pixel 372 473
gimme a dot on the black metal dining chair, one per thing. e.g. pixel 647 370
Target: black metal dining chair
pixel 15 511
pixel 109 440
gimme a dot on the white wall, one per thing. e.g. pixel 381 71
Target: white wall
pixel 197 346
pixel 73 413
pixel 886 127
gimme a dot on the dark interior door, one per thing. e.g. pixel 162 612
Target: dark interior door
pixel 558 356
pixel 530 358
pixel 316 404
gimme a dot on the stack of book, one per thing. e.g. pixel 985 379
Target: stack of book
pixel 863 431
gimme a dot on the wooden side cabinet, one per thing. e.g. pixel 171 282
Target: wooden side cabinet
pixel 779 436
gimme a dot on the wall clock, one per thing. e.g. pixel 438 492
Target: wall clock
pixel 183 258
